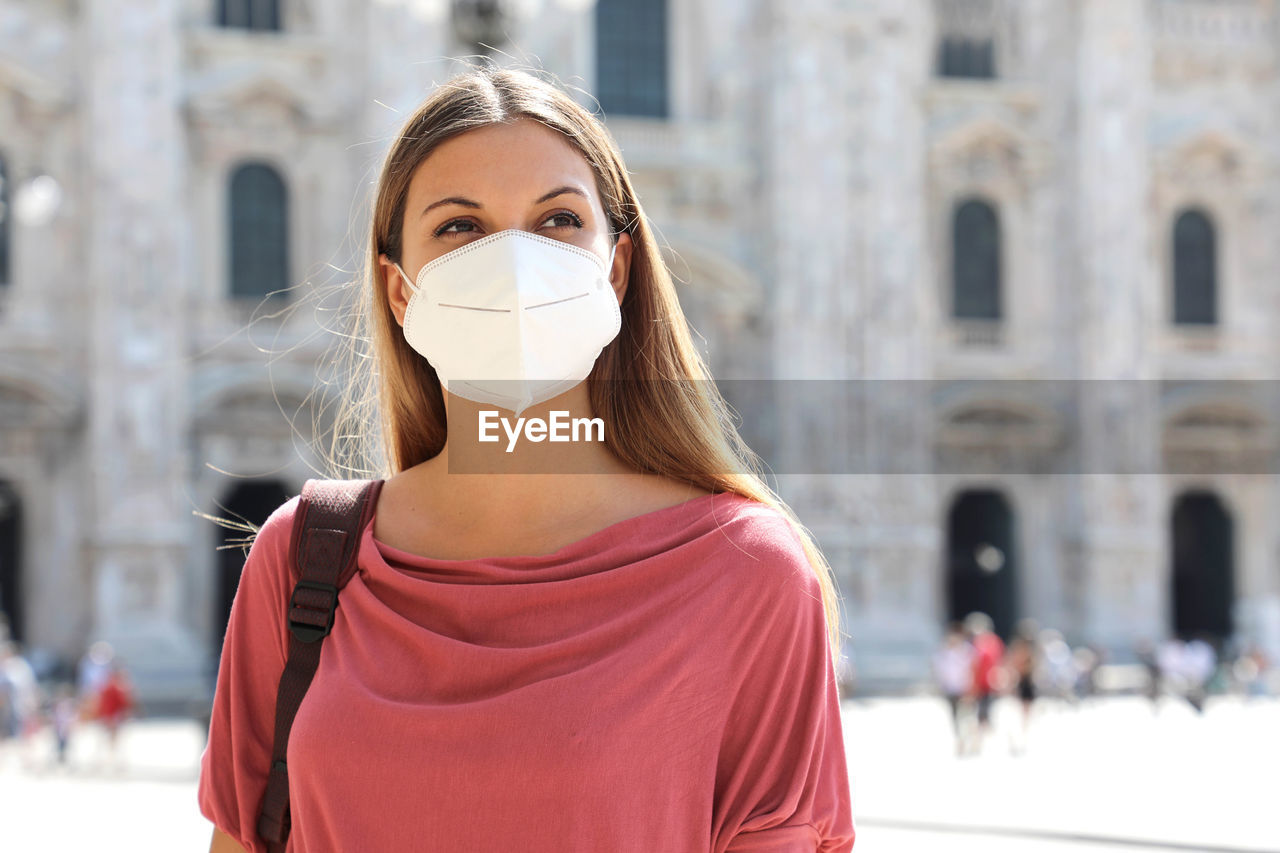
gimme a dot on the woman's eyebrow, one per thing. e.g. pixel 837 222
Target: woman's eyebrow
pixel 466 202
pixel 561 191
pixel 453 199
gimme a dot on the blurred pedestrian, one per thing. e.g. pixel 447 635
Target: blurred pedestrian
pixel 64 714
pixel 114 703
pixel 1267 675
pixel 1086 660
pixel 1151 664
pixel 988 652
pixel 1023 662
pixel 1059 666
pixel 94 668
pixel 19 700
pixel 1199 662
pixel 8 711
pixel 1250 672
pixel 953 672
pixel 1172 672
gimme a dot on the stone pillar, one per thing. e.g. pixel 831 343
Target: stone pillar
pixel 895 333
pixel 135 285
pixel 804 246
pixel 804 209
pixel 1117 577
pixel 844 155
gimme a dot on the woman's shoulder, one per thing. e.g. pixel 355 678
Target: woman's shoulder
pixel 763 544
pixel 269 551
pixel 276 531
pixel 767 595
pixel 758 525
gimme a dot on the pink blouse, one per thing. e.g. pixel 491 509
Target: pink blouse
pixel 661 686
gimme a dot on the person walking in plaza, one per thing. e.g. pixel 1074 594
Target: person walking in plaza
pixel 1150 662
pixel 626 644
pixel 92 672
pixel 19 702
pixel 63 716
pixel 988 654
pixel 1169 657
pixel 114 703
pixel 953 672
pixel 1199 663
pixel 1022 663
pixel 1059 667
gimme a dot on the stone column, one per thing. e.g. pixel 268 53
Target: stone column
pixel 844 154
pixel 1116 580
pixel 805 207
pixel 895 334
pixel 804 52
pixel 135 285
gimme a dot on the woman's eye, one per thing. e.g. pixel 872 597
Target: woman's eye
pixel 564 220
pixel 448 227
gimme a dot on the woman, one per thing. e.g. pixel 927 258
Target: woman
pixel 1022 662
pixel 618 644
pixel 953 671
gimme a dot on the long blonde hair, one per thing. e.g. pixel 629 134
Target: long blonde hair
pixel 662 413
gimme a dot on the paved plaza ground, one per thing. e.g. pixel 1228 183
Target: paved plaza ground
pixel 1112 775
pixel 1109 775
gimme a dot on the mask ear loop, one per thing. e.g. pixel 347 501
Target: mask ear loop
pixel 444 383
pixel 608 268
pixel 412 284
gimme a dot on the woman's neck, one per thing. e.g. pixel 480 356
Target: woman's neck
pixel 551 460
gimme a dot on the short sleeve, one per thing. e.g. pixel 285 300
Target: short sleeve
pixel 237 757
pixel 782 782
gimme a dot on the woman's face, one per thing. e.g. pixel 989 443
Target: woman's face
pixel 521 175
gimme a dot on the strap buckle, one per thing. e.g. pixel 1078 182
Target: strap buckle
pixel 311 615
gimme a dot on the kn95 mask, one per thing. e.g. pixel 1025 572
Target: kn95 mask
pixel 512 319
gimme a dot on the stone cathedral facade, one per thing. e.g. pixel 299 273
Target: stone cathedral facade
pixel 1022 243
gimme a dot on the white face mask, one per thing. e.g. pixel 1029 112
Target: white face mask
pixel 512 319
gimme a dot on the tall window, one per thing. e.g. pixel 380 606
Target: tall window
pixel 631 57
pixel 249 14
pixel 1194 269
pixel 6 217
pixel 975 258
pixel 259 230
pixel 967 57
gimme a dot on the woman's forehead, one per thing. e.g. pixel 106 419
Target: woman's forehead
pixel 523 158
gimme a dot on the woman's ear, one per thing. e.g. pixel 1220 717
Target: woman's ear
pixel 620 274
pixel 398 292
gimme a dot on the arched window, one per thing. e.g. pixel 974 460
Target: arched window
pixel 967 57
pixel 6 218
pixel 249 14
pixel 631 57
pixel 1194 269
pixel 975 258
pixel 259 230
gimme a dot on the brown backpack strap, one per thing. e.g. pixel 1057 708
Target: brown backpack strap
pixel 326 538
